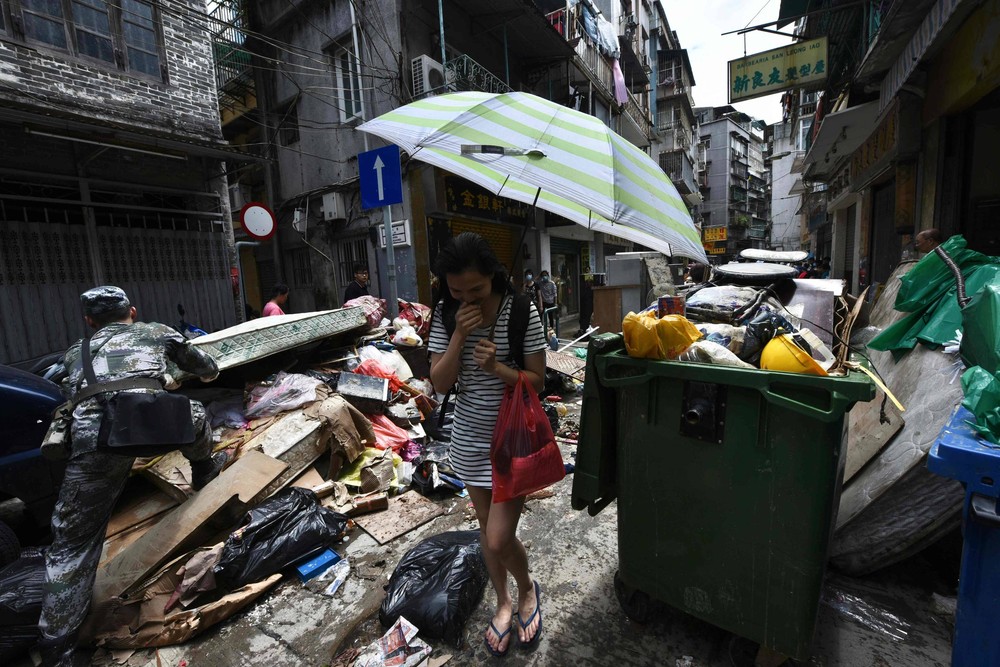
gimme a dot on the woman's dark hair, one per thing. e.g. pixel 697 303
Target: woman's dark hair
pixel 467 251
pixel 279 289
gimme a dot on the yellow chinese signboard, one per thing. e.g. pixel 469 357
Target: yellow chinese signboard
pixel 715 249
pixel 714 234
pixel 795 66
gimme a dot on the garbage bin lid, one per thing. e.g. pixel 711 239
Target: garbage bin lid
pixel 961 454
pixel 758 273
pixel 759 254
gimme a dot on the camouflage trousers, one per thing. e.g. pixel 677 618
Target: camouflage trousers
pixel 93 482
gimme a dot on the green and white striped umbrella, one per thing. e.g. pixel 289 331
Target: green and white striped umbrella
pixel 527 148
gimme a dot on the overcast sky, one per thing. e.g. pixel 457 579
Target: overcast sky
pixel 699 25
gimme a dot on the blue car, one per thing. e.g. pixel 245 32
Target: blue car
pixel 26 405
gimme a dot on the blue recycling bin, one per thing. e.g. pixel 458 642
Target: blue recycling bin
pixel 961 454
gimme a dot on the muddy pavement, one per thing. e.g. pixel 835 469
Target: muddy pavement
pixel 886 619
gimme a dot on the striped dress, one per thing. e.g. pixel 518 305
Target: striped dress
pixel 480 393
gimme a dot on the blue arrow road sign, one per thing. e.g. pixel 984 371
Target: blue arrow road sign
pixel 381 180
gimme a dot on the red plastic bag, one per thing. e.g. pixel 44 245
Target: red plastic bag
pixel 418 315
pixel 387 434
pixel 523 451
pixel 373 368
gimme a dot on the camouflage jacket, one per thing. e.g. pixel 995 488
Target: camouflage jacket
pixel 121 351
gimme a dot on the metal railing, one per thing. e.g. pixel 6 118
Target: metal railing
pixel 464 73
pixel 638 114
pixel 598 65
pixel 233 75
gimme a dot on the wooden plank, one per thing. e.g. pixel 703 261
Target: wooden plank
pixel 867 435
pixel 222 501
pixel 172 472
pixel 115 544
pixel 138 509
pixel 309 479
pixel 406 512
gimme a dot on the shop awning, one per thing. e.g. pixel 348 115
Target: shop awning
pixel 839 135
pixel 789 9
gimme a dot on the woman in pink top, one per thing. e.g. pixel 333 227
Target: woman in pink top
pixel 279 295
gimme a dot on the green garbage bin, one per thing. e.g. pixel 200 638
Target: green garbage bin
pixel 727 482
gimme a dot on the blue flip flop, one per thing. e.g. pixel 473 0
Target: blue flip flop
pixel 538 612
pixel 500 636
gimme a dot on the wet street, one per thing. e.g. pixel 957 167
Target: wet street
pixel 886 619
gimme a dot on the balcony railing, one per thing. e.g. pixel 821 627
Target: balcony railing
pixel 233 76
pixel 463 73
pixel 638 115
pixel 598 65
pixel 677 165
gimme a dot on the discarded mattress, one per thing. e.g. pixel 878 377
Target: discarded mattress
pixel 265 336
pixel 876 517
pixel 917 511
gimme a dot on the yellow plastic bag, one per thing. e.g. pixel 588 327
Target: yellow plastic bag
pixel 640 336
pixel 649 337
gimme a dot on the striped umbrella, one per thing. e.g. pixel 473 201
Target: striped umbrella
pixel 535 151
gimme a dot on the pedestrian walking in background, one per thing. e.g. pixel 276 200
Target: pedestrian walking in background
pixel 358 286
pixel 120 349
pixel 469 344
pixel 279 297
pixel 550 296
pixel 532 290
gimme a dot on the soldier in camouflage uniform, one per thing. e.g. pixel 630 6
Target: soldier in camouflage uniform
pixel 94 479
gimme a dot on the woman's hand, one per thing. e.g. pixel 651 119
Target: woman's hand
pixel 468 317
pixel 485 355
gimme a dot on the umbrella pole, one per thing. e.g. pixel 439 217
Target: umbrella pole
pixel 520 246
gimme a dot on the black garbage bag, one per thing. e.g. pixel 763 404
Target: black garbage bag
pixel 279 532
pixel 437 585
pixel 21 585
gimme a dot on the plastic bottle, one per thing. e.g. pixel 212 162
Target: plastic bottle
pixel 338 574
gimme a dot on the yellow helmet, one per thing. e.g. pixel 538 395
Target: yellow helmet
pixel 782 354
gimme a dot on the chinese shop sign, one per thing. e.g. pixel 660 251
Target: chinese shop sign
pixel 795 66
pixel 714 234
pixel 462 196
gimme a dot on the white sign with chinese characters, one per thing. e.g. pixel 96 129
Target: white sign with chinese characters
pixel 400 234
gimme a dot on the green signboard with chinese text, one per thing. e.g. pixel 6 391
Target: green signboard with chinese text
pixel 801 65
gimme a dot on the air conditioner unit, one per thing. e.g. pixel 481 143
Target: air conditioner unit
pixel 428 76
pixel 239 196
pixel 334 207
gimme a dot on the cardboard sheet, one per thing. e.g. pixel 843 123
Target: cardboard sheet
pixel 213 508
pixel 406 512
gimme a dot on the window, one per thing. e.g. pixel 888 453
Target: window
pixel 301 268
pixel 124 34
pixel 139 33
pixel 804 140
pixel 348 82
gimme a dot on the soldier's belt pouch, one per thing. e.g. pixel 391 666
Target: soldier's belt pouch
pixel 146 424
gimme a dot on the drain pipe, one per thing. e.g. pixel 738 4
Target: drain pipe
pixel 957 272
pixel 239 269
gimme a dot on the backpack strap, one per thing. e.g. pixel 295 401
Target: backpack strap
pixel 517 328
pixel 94 387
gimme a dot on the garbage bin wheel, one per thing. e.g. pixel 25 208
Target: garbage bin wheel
pixel 636 604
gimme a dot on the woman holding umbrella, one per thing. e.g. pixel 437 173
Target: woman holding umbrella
pixel 469 344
